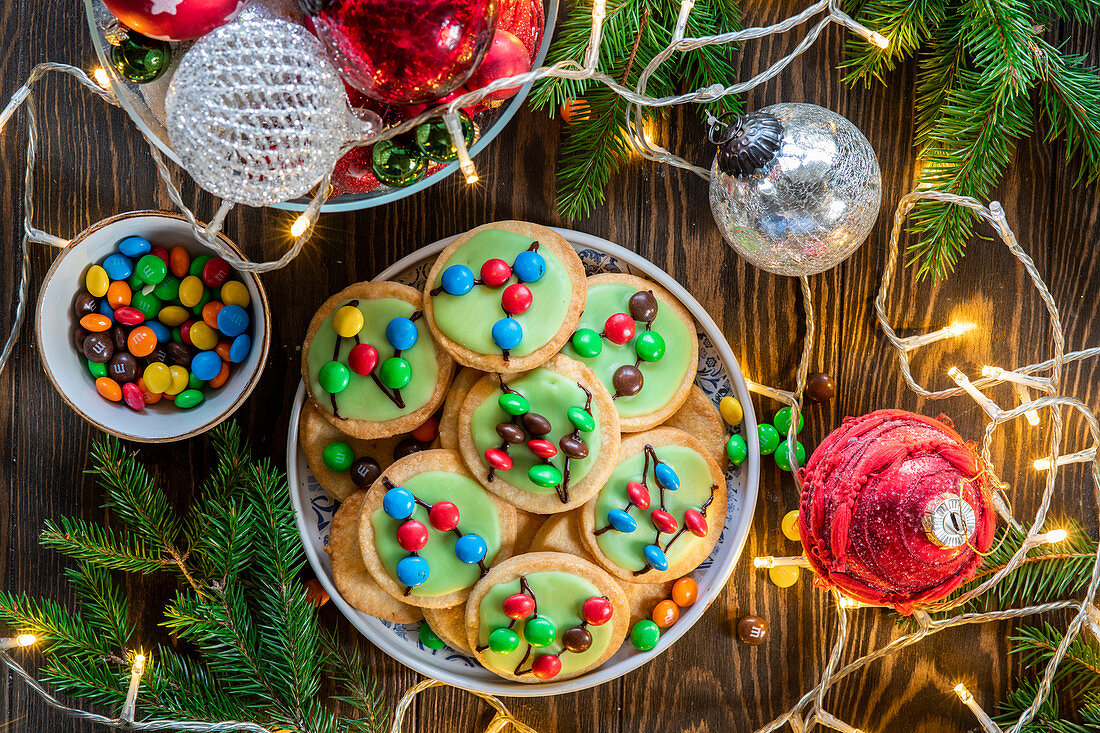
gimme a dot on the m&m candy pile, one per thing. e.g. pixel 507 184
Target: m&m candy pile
pixel 156 324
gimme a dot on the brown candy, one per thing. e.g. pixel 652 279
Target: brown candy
pixel 627 380
pixel 407 447
pixel 119 337
pixel 158 355
pixel 536 424
pixel 178 353
pixel 577 640
pixel 511 433
pixel 85 304
pixel 98 348
pixel 78 337
pixel 573 447
pixel 123 367
pixel 820 387
pixel 752 630
pixel 365 471
pixel 643 306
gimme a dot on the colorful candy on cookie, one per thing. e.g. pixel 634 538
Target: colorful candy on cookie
pixel 544 440
pixel 545 616
pixel 505 297
pixel 370 363
pixel 154 324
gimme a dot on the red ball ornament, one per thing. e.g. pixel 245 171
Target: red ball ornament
pixel 516 298
pixel 506 57
pixel 546 666
pixel 663 521
pixel 412 535
pixel 619 328
pixel 495 272
pixel 444 516
pixel 695 522
pixel 881 517
pixel 404 51
pixel 519 606
pixel 638 494
pixel 542 448
pixel 174 20
pixel 525 20
pixel 597 611
pixel 362 359
pixel 353 173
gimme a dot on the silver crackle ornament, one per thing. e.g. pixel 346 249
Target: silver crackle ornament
pixel 795 188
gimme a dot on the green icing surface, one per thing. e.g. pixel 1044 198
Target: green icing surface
pixel 478 515
pixel 363 400
pixel 550 395
pixel 626 550
pixel 468 319
pixel 559 597
pixel 662 377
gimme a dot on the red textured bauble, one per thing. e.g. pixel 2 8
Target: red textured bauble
pixel 516 298
pixel 597 611
pixel 495 272
pixel 353 172
pixel 619 328
pixel 546 666
pixel 174 20
pixel 506 57
pixel 412 536
pixel 895 509
pixel 404 51
pixel 444 516
pixel 525 20
pixel 519 606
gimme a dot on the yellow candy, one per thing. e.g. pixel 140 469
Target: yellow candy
pixel 235 293
pixel 179 380
pixel 784 575
pixel 172 315
pixel 191 291
pixel 731 410
pixel 158 378
pixel 789 525
pixel 347 321
pixel 97 281
pixel 203 337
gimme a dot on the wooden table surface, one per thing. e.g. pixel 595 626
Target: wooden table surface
pixel 94 164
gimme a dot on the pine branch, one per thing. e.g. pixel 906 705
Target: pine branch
pixel 347 669
pixel 1078 675
pixel 1083 11
pixel 106 608
pixel 56 628
pixel 1071 104
pixel 102 546
pixel 907 23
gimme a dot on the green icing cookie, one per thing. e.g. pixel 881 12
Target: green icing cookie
pixel 558 597
pixel 478 516
pixel 363 399
pixel 468 319
pixel 662 378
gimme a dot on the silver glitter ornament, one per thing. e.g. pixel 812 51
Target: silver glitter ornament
pixel 795 188
pixel 256 112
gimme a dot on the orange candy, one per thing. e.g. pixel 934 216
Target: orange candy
pixel 219 380
pixel 684 592
pixel 426 433
pixel 665 614
pixel 222 350
pixel 141 341
pixel 315 592
pixel 179 261
pixel 95 323
pixel 108 389
pixel 151 398
pixel 118 294
pixel 210 314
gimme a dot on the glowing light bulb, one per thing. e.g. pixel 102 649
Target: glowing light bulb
pixel 25 639
pixel 963 693
pixel 300 225
pixel 1055 536
pixel 101 77
pixel 879 40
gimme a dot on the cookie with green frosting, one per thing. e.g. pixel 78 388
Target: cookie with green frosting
pixel 429 531
pixel 661 511
pixel 505 297
pixel 641 343
pixel 544 440
pixel 545 616
pixel 370 362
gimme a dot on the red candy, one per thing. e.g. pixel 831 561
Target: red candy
pixel 362 359
pixel 185 331
pixel 133 397
pixel 215 272
pixel 444 516
pixel 546 666
pixel 162 253
pixel 542 448
pixel 619 328
pixel 597 611
pixel 519 606
pixel 495 272
pixel 427 431
pixel 638 495
pixel 516 298
pixel 128 316
pixel 663 521
pixel 695 522
pixel 412 535
pixel 498 459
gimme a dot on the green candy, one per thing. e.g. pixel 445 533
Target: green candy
pixel 177 335
pixel 151 269
pixel 428 637
pixel 650 346
pixel 645 635
pixel 783 455
pixel 197 264
pixel 135 282
pixel 582 420
pixel 544 475
pixel 97 370
pixel 334 377
pixel 782 421
pixel 769 438
pixel 395 372
pixel 514 404
pixel 194 382
pixel 197 310
pixel 540 631
pixel 189 398
pixel 338 456
pixel 168 289
pixel 149 305
pixel 737 450
pixel 587 343
pixel 503 641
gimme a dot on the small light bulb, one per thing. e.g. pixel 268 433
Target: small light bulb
pixel 300 225
pixel 762 562
pixel 1055 536
pixel 1042 464
pixel 25 639
pixel 101 77
pixel 139 664
pixel 958 328
pixel 880 40
pixel 472 177
pixel 963 693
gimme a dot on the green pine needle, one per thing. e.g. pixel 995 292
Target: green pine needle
pixel 102 546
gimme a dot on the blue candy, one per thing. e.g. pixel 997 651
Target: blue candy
pixel 239 349
pixel 232 320
pixel 507 333
pixel 529 266
pixel 470 548
pixel 666 477
pixel 398 503
pixel 621 521
pixel 205 365
pixel 655 556
pixel 135 247
pixel 412 571
pixel 457 280
pixel 160 330
pixel 106 310
pixel 118 266
pixel 401 333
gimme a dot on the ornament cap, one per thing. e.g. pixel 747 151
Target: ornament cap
pixel 746 143
pixel 313 7
pixel 949 521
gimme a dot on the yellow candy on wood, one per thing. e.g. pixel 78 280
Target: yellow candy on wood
pixel 347 321
pixel 784 575
pixel 789 525
pixel 731 410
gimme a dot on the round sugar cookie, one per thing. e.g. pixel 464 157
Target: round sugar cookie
pixel 452 405
pixel 404 379
pixel 684 494
pixel 446 569
pixel 557 587
pixel 699 417
pixel 563 396
pixel 641 343
pixel 449 624
pixel 315 433
pixel 505 297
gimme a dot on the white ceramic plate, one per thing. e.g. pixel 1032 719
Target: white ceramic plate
pixel 718 376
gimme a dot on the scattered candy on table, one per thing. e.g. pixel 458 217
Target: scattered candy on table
pixel 789 525
pixel 820 387
pixel 783 576
pixel 646 633
pixel 752 630
pixel 316 593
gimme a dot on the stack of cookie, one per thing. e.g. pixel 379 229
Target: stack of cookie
pixel 534 504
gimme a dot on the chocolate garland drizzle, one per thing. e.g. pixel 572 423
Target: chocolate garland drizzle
pixel 648 327
pixel 395 395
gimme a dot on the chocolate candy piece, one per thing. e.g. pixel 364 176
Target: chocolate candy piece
pixel 78 337
pixel 98 347
pixel 577 640
pixel 157 355
pixel 511 433
pixel 84 304
pixel 407 447
pixel 178 353
pixel 118 335
pixel 573 447
pixel 752 630
pixel 643 306
pixel 365 471
pixel 536 424
pixel 627 380
pixel 820 387
pixel 123 367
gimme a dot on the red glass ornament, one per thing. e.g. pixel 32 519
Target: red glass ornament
pixel 444 516
pixel 353 172
pixel 696 523
pixel 495 272
pixel 412 536
pixel 406 51
pixel 663 521
pixel 597 611
pixel 638 494
pixel 498 459
pixel 546 666
pixel 619 328
pixel 174 20
pixel 519 606
pixel 506 57
pixel 516 298
pixel 362 359
pixel 524 19
pixel 542 448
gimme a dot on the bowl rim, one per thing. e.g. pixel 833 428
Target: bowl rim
pixel 253 380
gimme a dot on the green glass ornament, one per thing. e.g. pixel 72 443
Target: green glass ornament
pixel 503 641
pixel 428 637
pixel 540 631
pixel 397 162
pixel 650 346
pixel 587 343
pixel 783 455
pixel 782 421
pixel 140 59
pixel 769 438
pixel 434 139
